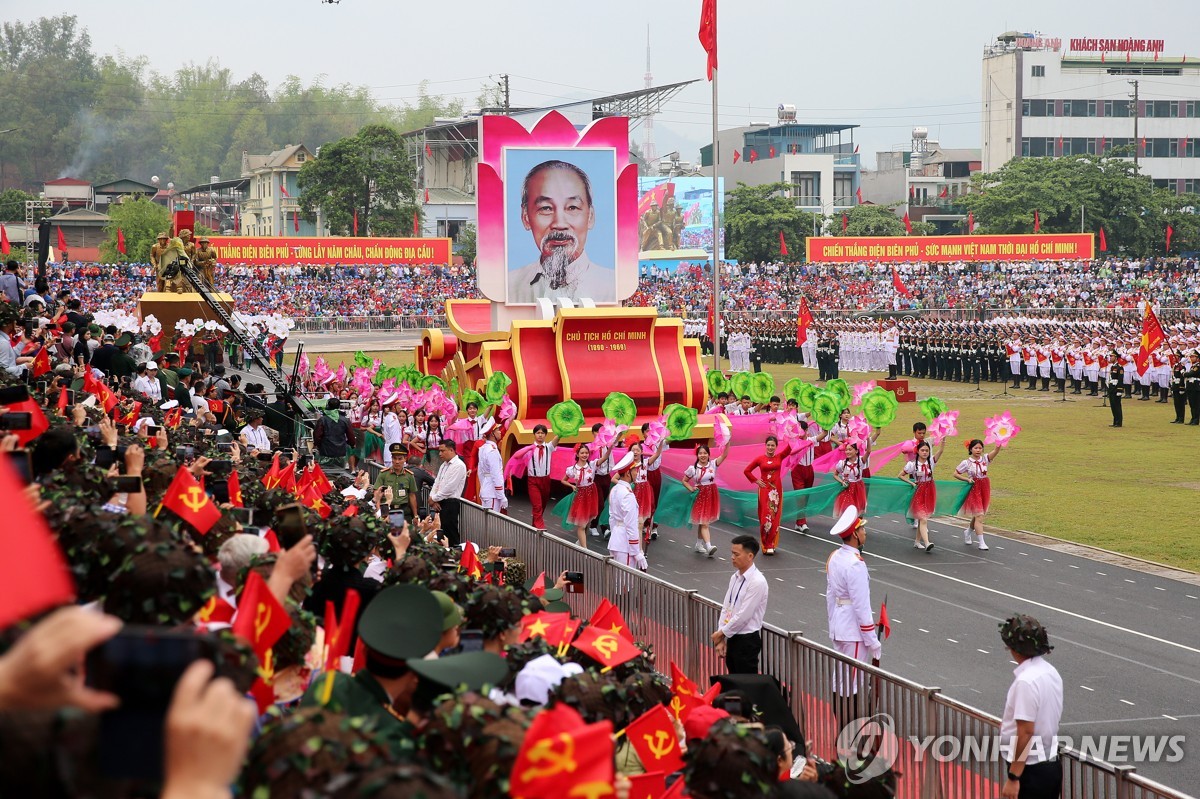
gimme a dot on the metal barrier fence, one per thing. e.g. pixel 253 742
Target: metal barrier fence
pixel 823 687
pixel 951 314
pixel 355 324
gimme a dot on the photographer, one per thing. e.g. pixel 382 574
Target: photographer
pixel 11 358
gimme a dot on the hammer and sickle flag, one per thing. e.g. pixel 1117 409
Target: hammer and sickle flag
pixel 564 757
pixel 653 738
pixel 186 498
pixel 261 620
pixel 608 617
pixel 605 647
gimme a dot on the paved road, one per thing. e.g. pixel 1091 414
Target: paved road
pixel 1127 643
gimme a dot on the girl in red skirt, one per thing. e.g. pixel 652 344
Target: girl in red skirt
pixel 701 479
pixel 919 474
pixel 770 492
pixel 849 472
pixel 974 470
pixel 585 506
pixel 642 489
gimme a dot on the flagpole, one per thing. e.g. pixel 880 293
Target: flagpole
pixel 716 236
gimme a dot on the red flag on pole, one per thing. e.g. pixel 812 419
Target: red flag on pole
pixel 1060 147
pixel 4 246
pixel 62 240
pixel 355 221
pixel 1170 233
pixel 898 284
pixel 753 155
pixel 885 624
pixel 712 327
pixel 858 195
pixel 41 363
pixel 261 619
pixel 907 223
pixel 1103 241
pixel 1103 141
pixel 708 33
pixel 296 222
pixel 912 192
pixel 1152 337
pixel 856 149
pixel 428 151
pixel 427 196
pixel 121 242
pixel 737 156
pixel 653 738
pixel 416 223
pixel 283 189
pixel 970 221
pixel 771 151
pixel 187 499
pixel 783 250
pixel 944 193
pixel 804 318
pixel 1037 221
pixel 845 222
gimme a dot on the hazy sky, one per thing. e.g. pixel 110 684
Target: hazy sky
pixel 885 66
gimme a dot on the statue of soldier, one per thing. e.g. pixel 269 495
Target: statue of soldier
pixel 650 224
pixel 205 261
pixel 672 224
pixel 189 246
pixel 170 271
pixel 156 251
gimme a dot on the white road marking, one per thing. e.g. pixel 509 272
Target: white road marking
pixel 1130 581
pixel 1189 596
pixel 1047 560
pixel 800 586
pixel 1084 687
pixel 1072 566
pixel 1126 701
pixel 1159 588
pixel 1026 554
pixel 951 640
pixel 922 629
pixel 984 651
pixel 1102 574
pixel 1172 718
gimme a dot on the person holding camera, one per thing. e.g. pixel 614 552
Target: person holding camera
pixel 401 481
pixel 11 358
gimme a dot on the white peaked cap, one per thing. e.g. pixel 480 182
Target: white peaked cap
pixel 625 463
pixel 846 522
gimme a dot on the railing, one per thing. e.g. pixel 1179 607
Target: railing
pixel 952 314
pixel 355 324
pixel 677 622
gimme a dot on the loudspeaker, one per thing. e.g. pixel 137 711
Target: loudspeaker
pixel 43 249
pixel 766 695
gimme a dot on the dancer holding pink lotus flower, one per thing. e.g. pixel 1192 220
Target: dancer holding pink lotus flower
pixel 974 470
pixel 919 474
pixel 849 472
pixel 581 478
pixel 701 479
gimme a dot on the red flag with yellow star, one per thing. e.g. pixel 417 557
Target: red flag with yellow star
pixel 607 648
pixel 261 620
pixel 608 617
pixel 271 479
pixel 652 735
pixel 1152 337
pixel 550 626
pixel 311 498
pixel 187 499
pixel 469 562
pixel 235 490
pixel 563 756
pixel 650 785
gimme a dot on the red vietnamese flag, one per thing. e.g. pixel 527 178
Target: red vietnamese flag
pixel 970 221
pixel 469 562
pixel 317 478
pixel 907 224
pixel 737 156
pixel 4 245
pixel 62 241
pixel 563 756
pixel 1103 241
pixel 41 363
pixel 296 222
pixel 708 34
pixel 944 193
pixel 62 401
pixel 287 478
pixel 261 619
pixel 898 284
pixel 130 416
pixel 338 632
pixel 272 478
pixel 885 623
pixel 711 330
pixel 771 151
pixel 235 490
pixel 1142 144
pixel 427 196
pixel 1152 337
pixel 845 222
pixel 121 242
pixel 1037 221
pixel 416 224
pixel 608 617
pixel 312 500
pixel 1170 233
pixel 551 626
pixel 753 155
pixel 804 320
pixel 783 250
pixel 539 585
pixel 650 785
pixel 283 188
pixel 912 192
pixel 652 735
pixel 187 500
pixel 428 151
pixel 1060 147
pixel 33 575
pixel 1103 141
pixel 858 195
pixel 173 418
pixel 605 647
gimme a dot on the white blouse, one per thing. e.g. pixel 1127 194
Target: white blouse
pixel 920 472
pixel 701 475
pixel 580 477
pixel 977 469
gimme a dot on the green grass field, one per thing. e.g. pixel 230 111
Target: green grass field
pixel 1068 474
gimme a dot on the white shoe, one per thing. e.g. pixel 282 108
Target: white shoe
pixel 595 533
pixel 982 545
pixel 803 528
pixel 712 550
pixel 968 539
pixel 917 545
pixel 915 524
pixel 700 548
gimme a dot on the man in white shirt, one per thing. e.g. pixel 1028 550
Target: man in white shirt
pixel 738 637
pixel 254 435
pixel 1031 713
pixel 625 540
pixel 447 489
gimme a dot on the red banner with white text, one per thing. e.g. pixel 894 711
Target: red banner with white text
pixel 944 249
pixel 330 250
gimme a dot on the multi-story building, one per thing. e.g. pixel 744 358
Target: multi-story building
pixel 1045 96
pixel 820 162
pixel 925 181
pixel 272 206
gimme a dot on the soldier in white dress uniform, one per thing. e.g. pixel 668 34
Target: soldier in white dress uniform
pixel 851 622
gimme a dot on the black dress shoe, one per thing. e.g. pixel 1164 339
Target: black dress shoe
pixel 1177 421
pixel 1194 422
pixel 1114 425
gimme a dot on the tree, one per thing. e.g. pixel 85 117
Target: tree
pixel 754 218
pixel 141 221
pixel 467 243
pixel 12 205
pixel 369 172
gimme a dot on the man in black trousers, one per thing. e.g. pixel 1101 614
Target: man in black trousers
pixel 1116 373
pixel 738 637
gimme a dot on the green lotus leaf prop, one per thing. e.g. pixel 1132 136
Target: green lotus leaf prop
pixel 379 377
pixel 680 421
pixel 429 381
pixel 471 395
pixel 762 387
pixel 717 382
pixel 361 359
pixel 842 389
pixel 808 393
pixel 565 418
pixel 496 386
pixel 740 384
pixel 452 389
pixel 825 408
pixel 620 408
pixel 792 389
pixel 879 407
pixel 932 408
